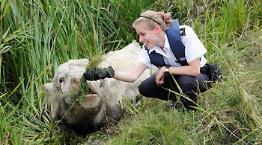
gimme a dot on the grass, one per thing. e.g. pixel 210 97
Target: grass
pixel 229 113
pixel 37 36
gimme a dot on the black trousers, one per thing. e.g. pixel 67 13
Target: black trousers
pixel 174 85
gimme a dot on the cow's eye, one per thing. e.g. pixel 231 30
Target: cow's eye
pixel 61 80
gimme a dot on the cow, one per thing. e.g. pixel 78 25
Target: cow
pixel 90 110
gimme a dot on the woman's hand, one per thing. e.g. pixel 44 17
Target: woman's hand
pixel 160 75
pixel 99 73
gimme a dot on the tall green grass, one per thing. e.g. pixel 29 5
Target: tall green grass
pixel 36 36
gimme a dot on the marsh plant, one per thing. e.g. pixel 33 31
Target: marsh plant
pixel 36 36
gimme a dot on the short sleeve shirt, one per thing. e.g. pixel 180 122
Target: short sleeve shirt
pixel 194 49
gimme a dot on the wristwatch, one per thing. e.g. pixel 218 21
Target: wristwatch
pixel 167 69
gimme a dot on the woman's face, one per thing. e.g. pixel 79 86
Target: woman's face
pixel 149 38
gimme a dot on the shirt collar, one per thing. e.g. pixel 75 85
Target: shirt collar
pixel 166 45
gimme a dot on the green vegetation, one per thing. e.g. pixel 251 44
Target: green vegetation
pixel 36 36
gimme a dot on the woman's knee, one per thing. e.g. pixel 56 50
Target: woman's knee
pixel 147 86
pixel 186 82
pixel 142 89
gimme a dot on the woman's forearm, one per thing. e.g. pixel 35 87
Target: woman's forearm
pixel 185 70
pixel 132 75
pixel 125 76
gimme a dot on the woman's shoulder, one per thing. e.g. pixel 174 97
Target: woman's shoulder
pixel 186 27
pixel 188 30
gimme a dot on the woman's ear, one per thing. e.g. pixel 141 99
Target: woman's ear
pixel 157 29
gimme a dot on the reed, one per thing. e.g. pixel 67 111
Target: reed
pixel 36 36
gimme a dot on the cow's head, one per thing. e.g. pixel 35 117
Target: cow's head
pixel 67 87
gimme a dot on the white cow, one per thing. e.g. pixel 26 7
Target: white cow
pixel 85 113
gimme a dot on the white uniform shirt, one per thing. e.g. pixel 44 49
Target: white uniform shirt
pixel 194 48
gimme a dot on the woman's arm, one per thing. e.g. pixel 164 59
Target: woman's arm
pixel 130 76
pixel 192 69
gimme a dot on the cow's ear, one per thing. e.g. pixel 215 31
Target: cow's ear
pixel 52 99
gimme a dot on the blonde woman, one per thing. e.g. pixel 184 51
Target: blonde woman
pixel 174 74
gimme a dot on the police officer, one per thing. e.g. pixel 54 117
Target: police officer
pixel 173 78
